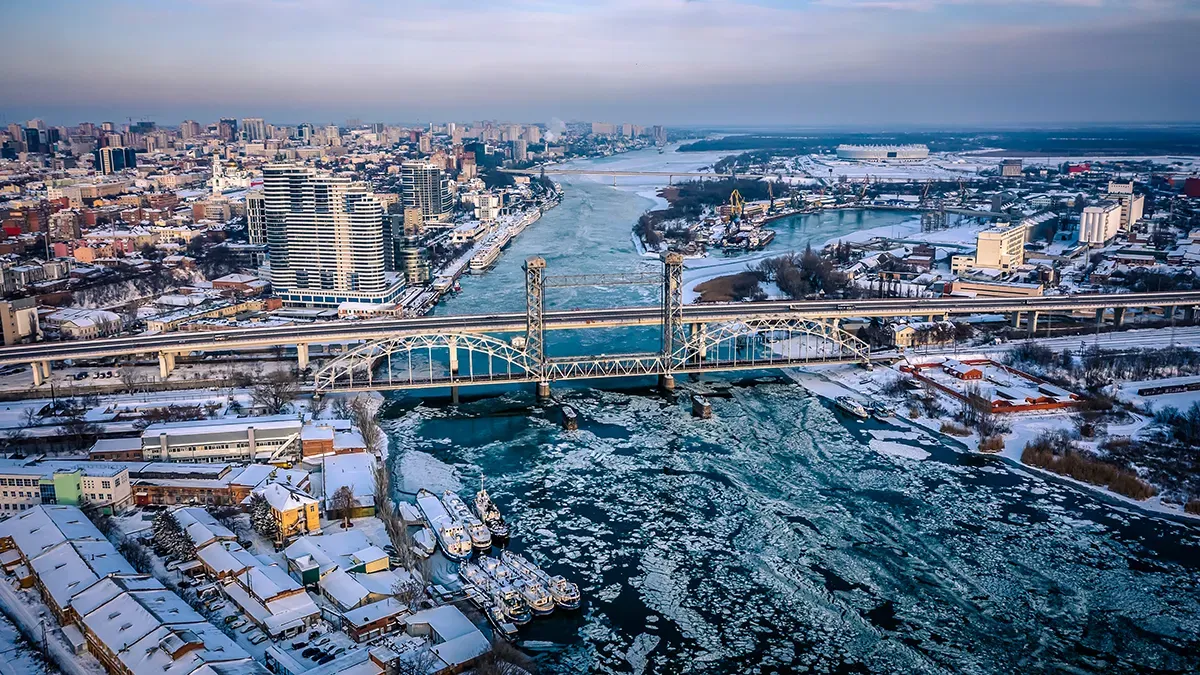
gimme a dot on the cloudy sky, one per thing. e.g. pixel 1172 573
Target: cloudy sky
pixel 735 62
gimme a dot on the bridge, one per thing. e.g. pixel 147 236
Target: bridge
pixel 470 350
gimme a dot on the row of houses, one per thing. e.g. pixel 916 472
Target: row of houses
pixel 129 621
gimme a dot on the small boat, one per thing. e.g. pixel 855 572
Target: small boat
pixel 489 514
pixel 424 543
pixel 471 574
pixel 481 537
pixel 566 594
pixel 536 596
pixel 450 533
pixel 881 411
pixel 502 573
pixel 851 406
pixel 512 603
pixel 501 623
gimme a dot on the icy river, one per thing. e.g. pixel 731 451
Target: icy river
pixel 779 537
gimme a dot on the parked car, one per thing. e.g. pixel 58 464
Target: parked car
pixel 231 618
pixel 299 644
pixel 218 605
pixel 238 623
pixel 325 659
pixel 258 638
pixel 249 627
pixel 339 651
pixel 310 652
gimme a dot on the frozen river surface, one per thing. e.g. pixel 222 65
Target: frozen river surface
pixel 780 537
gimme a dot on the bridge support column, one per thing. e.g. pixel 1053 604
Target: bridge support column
pixel 453 356
pixel 454 395
pixel 543 390
pixel 1189 314
pixel 1099 318
pixel 166 363
pixel 302 355
pixel 1033 319
pixel 666 382
pixel 38 375
pixel 1016 320
pixel 1118 316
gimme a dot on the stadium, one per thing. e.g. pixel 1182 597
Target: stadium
pixel 883 153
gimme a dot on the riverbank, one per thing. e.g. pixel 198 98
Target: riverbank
pixel 829 382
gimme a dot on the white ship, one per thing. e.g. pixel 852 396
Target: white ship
pixel 536 596
pixel 489 514
pixel 424 543
pixel 481 537
pixel 564 593
pixel 851 406
pixel 450 533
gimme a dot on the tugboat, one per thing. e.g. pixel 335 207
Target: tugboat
pixel 566 594
pixel 489 514
pixel 536 596
pixel 851 406
pixel 513 605
pixel 481 538
pixel 450 533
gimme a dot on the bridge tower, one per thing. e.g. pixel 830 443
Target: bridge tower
pixel 674 339
pixel 535 307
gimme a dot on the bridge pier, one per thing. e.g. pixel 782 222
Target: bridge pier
pixel 1189 314
pixel 1016 320
pixel 1033 319
pixel 40 375
pixel 1118 316
pixel 453 356
pixel 543 390
pixel 166 364
pixel 302 355
pixel 1099 318
pixel 454 395
pixel 666 382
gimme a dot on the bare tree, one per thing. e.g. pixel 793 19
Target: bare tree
pixel 13 439
pixel 417 662
pixel 409 591
pixel 363 415
pixel 31 416
pixel 129 376
pixel 275 392
pixel 343 503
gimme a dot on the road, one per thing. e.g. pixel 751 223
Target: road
pixel 355 331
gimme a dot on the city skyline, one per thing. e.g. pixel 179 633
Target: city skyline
pixel 683 63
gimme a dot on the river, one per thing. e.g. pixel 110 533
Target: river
pixel 779 537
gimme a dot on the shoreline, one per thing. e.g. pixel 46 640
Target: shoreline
pixel 1149 507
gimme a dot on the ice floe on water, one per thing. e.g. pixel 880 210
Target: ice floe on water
pixel 772 538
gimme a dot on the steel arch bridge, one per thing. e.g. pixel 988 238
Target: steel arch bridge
pixel 422 360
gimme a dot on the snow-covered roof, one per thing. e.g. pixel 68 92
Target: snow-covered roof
pixel 343 589
pixel 200 526
pixel 355 470
pixel 267 581
pixel 460 642
pixel 253 475
pixel 375 611
pixel 226 557
pixel 42 527
pixel 284 498
pixel 71 567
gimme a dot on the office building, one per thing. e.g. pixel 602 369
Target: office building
pixel 520 150
pixel 426 187
pixel 19 320
pixel 1001 247
pixel 114 159
pixel 412 260
pixel 254 129
pixel 256 228
pixel 1100 223
pixel 324 238
pixel 189 129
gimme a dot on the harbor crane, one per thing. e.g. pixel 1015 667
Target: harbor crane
pixel 736 205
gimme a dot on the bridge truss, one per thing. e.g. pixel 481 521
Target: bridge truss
pixel 415 360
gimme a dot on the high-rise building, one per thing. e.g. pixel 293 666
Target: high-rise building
pixel 425 144
pixel 254 129
pixel 1132 205
pixel 333 135
pixel 189 129
pixel 1001 247
pixel 324 238
pixel 1099 223
pixel 532 134
pixel 520 150
pixel 33 140
pixel 256 228
pixel 114 159
pixel 603 129
pixel 426 187
pixel 412 260
pixel 227 129
pixel 660 134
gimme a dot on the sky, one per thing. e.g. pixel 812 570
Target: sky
pixel 874 63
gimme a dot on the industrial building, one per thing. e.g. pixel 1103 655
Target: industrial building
pixel 1100 223
pixel 883 153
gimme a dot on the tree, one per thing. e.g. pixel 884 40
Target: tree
pixel 363 414
pixel 129 376
pixel 13 439
pixel 343 503
pixel 31 416
pixel 275 392
pixel 170 537
pixel 262 518
pixel 409 591
pixel 99 517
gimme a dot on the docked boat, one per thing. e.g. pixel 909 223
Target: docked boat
pixel 512 603
pixel 881 411
pixel 500 623
pixel 424 543
pixel 851 406
pixel 536 596
pixel 471 574
pixel 481 537
pixel 450 533
pixel 489 514
pixel 497 570
pixel 565 593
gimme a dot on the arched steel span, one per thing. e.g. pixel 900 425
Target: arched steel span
pixel 455 359
pixel 438 363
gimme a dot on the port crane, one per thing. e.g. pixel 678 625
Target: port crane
pixel 736 205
